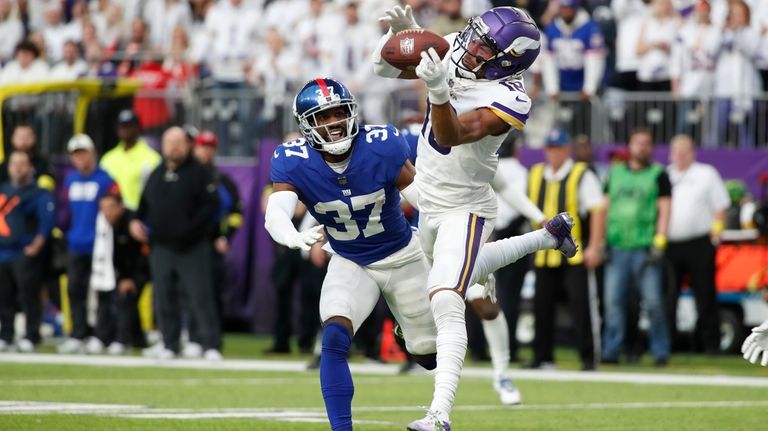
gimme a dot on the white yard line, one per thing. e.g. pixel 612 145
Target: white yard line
pixel 388 370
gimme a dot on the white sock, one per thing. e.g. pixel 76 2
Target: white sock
pixel 448 310
pixel 497 336
pixel 318 347
pixel 500 253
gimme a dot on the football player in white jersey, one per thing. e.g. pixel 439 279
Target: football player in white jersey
pixel 476 94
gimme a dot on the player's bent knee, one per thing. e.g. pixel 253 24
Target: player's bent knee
pixel 428 362
pixel 485 309
pixel 343 321
pixel 447 304
pixel 336 339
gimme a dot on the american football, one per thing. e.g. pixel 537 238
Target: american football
pixel 403 50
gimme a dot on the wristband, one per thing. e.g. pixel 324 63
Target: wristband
pixel 439 96
pixel 660 241
pixel 717 227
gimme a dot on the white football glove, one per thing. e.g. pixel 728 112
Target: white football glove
pixel 757 343
pixel 399 19
pixel 305 239
pixel 433 72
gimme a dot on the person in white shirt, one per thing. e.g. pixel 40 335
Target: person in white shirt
pixel 629 15
pixel 692 67
pixel 71 66
pixel 11 31
pixel 315 34
pixel 163 16
pixel 232 30
pixel 56 32
pixel 737 80
pixel 26 66
pixel 699 209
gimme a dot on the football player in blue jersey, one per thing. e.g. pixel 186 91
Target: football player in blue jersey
pixel 350 177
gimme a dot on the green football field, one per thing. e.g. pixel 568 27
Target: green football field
pixel 257 392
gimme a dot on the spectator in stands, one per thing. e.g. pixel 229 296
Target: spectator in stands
pixel 163 16
pixel 24 139
pixel 698 215
pixel 584 199
pixel 313 33
pixel 56 31
pixel 131 161
pixel 71 66
pixel 175 213
pixel 629 15
pixel 692 67
pixel 232 33
pixel 737 80
pixel 131 50
pixel 760 24
pixel 284 15
pixel 26 220
pixel 638 198
pixel 85 186
pixel 11 31
pixel 275 72
pixel 449 17
pixel 97 67
pixel 110 25
pixel 128 271
pixel 26 66
pixel 654 45
pixel 574 60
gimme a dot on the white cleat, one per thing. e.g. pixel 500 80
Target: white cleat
pixel 116 349
pixel 72 346
pixel 4 346
pixel 154 350
pixel 212 355
pixel 25 345
pixel 431 422
pixel 192 351
pixel 94 346
pixel 508 392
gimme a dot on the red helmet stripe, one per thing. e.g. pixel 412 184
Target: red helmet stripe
pixel 323 87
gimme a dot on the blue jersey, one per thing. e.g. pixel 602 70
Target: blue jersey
pixel 411 135
pixel 83 194
pixel 569 50
pixel 359 207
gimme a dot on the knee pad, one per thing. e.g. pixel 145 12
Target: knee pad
pixel 447 304
pixel 336 340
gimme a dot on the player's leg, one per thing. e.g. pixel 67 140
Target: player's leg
pixel 556 234
pixel 405 291
pixel 458 239
pixel 496 334
pixel 347 297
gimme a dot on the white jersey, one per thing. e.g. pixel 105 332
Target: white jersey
pixel 458 178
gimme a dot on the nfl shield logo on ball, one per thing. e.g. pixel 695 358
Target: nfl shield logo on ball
pixel 406 46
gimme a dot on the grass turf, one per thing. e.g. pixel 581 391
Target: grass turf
pixel 547 405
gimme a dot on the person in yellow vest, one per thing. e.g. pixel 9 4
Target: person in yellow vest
pixel 559 185
pixel 131 161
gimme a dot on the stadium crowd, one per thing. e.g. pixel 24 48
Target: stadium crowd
pixel 668 64
pixel 177 202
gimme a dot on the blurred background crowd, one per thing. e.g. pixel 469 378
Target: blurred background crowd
pixel 141 78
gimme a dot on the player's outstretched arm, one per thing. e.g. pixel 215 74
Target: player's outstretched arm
pixel 281 208
pixel 399 19
pixel 756 344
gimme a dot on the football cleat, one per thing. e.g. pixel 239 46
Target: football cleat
pixel 25 345
pixel 559 228
pixel 71 346
pixel 508 392
pixel 431 422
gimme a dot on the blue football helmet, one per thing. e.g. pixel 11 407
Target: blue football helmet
pixel 319 95
pixel 504 40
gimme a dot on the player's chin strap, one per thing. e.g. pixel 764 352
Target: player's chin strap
pixel 411 194
pixel 380 66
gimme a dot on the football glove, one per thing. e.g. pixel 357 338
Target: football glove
pixel 433 72
pixel 305 239
pixel 757 343
pixel 399 19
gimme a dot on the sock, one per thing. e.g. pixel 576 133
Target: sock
pixel 318 347
pixel 500 253
pixel 497 336
pixel 335 378
pixel 448 310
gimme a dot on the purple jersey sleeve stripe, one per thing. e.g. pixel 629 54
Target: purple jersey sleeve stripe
pixel 520 117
